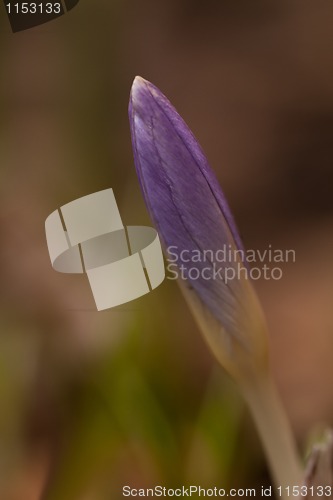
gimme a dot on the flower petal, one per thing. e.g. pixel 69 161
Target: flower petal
pixel 186 203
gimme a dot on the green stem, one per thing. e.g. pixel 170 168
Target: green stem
pixel 275 433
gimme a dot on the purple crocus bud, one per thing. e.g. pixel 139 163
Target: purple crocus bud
pixel 196 228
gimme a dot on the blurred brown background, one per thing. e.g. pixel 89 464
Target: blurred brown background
pixel 92 401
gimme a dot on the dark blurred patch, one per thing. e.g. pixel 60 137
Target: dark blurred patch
pixel 225 14
pixel 309 176
pixel 303 163
pixel 70 4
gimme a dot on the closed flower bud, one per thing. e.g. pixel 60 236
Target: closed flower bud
pixel 192 217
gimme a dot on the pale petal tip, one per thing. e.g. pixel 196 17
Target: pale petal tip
pixel 139 84
pixel 138 80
